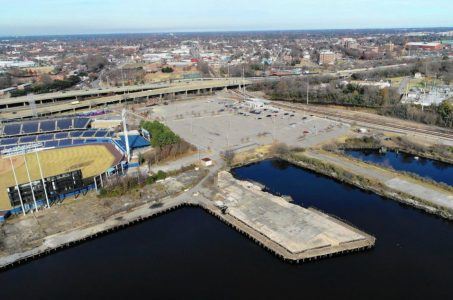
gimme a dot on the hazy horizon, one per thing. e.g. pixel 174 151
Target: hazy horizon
pixel 413 29
pixel 70 17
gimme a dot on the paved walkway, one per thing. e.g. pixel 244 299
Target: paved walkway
pixel 393 180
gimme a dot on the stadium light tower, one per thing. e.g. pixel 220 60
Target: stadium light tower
pixel 17 186
pixel 126 137
pixel 30 183
pixel 42 179
pixel 22 151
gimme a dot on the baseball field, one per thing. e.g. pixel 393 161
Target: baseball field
pixel 90 159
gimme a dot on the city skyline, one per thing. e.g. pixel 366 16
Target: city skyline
pixel 53 17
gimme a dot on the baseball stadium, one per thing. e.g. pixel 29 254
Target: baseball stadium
pixel 44 161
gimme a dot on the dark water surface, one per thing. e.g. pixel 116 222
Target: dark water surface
pixel 190 254
pixel 436 170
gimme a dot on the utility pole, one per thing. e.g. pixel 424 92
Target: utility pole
pixel 308 87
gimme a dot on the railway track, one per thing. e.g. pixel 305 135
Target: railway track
pixel 380 124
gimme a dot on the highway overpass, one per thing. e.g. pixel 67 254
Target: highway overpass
pixel 54 103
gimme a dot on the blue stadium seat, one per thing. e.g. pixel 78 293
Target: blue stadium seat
pixel 89 133
pixel 120 143
pixel 65 143
pixel 75 134
pixel 48 126
pixel 81 123
pixel 64 124
pixel 51 144
pixel 61 135
pixel 45 137
pixel 12 129
pixel 101 133
pixel 9 141
pixel 31 127
pixel 78 141
pixel 27 139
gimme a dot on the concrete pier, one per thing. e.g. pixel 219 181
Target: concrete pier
pixel 293 232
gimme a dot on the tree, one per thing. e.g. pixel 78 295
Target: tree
pixel 161 135
pixel 203 68
pixel 95 63
pixel 46 79
pixel 445 111
pixel 5 81
pixel 228 156
pixel 167 70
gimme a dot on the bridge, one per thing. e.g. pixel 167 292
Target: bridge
pixel 70 101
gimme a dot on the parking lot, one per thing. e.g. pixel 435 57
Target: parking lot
pixel 219 123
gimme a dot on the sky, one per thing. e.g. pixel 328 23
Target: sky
pixel 47 17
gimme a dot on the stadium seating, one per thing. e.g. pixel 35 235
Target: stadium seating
pixel 60 139
pixel 30 128
pixel 61 135
pixel 81 123
pixel 48 126
pixel 12 129
pixel 44 126
pixel 63 132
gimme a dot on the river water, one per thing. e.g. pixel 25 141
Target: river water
pixel 189 254
pixel 436 170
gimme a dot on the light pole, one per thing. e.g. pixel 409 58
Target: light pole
pixel 17 186
pixel 126 137
pixel 228 132
pixel 273 124
pixel 31 185
pixel 42 179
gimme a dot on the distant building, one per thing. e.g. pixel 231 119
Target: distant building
pixel 434 46
pixel 327 57
pixel 16 64
pixel 389 47
pixel 448 43
pixel 351 44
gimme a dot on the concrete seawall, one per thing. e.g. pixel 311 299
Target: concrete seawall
pixel 144 212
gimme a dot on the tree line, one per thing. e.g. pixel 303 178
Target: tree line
pixel 56 85
pixel 442 70
pixel 326 90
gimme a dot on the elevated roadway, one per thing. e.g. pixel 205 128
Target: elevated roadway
pixel 55 103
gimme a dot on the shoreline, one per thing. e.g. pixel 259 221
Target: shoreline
pixel 121 220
